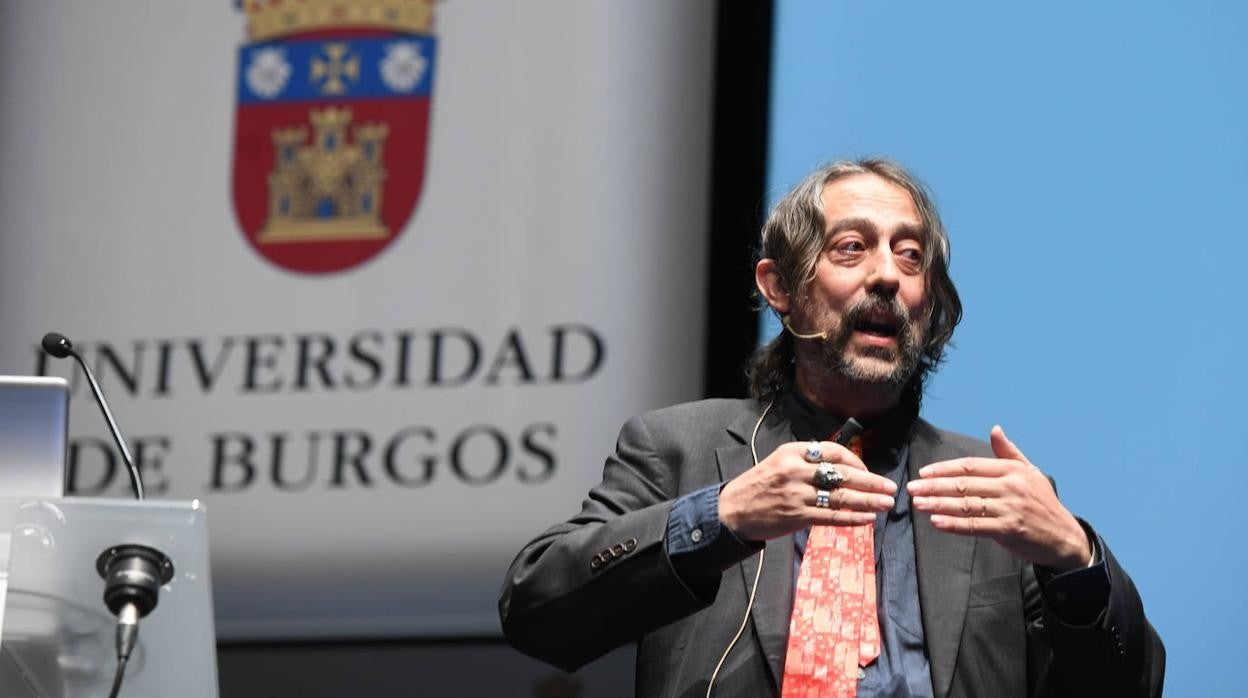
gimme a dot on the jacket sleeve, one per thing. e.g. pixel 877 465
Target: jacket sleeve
pixel 603 578
pixel 1118 653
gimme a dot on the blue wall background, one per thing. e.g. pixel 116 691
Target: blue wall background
pixel 1091 163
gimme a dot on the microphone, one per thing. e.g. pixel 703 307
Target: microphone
pixel 850 429
pixel 784 320
pixel 59 346
pixel 132 574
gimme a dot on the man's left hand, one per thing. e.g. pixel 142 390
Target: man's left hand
pixel 1006 499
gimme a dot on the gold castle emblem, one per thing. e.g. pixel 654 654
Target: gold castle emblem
pixel 329 190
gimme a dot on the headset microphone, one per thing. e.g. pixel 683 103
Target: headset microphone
pixel 814 335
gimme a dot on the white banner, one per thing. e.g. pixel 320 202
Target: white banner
pixel 378 281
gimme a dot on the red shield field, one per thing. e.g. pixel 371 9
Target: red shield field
pixel 329 144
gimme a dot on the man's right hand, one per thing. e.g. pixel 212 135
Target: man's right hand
pixel 777 496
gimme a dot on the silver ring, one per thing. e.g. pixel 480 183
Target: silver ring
pixel 813 453
pixel 823 499
pixel 827 477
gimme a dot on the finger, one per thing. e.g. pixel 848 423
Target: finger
pixel 845 498
pixel 983 467
pixel 839 517
pixel 852 478
pixel 1004 448
pixel 969 526
pixel 836 453
pixel 829 452
pixel 956 486
pixel 867 481
pixel 961 507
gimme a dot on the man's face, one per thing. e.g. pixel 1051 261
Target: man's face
pixel 868 292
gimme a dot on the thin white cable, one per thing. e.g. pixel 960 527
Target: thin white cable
pixel 813 335
pixel 757 574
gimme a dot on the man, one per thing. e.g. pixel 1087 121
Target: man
pixel 749 554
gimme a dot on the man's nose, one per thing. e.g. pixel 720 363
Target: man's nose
pixel 883 276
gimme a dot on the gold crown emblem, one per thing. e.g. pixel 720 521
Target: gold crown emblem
pixel 268 19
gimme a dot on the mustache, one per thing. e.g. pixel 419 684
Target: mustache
pixel 877 309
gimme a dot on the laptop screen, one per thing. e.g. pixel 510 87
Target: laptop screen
pixel 34 420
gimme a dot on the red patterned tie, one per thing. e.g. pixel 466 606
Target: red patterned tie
pixel 834 628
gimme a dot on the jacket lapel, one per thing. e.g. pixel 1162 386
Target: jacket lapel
pixel 773 601
pixel 944 570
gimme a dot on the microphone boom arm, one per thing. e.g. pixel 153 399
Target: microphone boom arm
pixel 59 346
pixel 135 481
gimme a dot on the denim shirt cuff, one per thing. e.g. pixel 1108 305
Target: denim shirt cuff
pixel 698 543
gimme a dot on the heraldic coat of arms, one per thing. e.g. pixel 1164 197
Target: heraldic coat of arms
pixel 332 127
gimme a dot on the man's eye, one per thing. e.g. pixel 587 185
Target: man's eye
pixel 850 246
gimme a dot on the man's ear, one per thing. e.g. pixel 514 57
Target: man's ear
pixel 767 278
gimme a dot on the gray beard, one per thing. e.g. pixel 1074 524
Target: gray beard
pixel 831 354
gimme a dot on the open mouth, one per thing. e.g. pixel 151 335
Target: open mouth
pixel 879 326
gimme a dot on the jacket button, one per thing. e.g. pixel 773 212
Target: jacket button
pixel 617 550
pixel 630 544
pixel 696 535
pixel 595 563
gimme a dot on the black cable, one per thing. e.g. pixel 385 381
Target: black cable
pixel 121 672
pixel 127 635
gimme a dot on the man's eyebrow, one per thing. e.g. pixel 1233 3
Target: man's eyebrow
pixel 908 230
pixel 866 225
pixel 860 224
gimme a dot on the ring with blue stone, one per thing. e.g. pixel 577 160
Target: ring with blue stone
pixel 814 453
pixel 828 477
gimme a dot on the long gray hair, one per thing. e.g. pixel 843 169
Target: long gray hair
pixel 793 237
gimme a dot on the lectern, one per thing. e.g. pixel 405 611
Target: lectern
pixel 56 635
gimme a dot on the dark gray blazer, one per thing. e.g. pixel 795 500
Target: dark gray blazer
pixel 603 579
